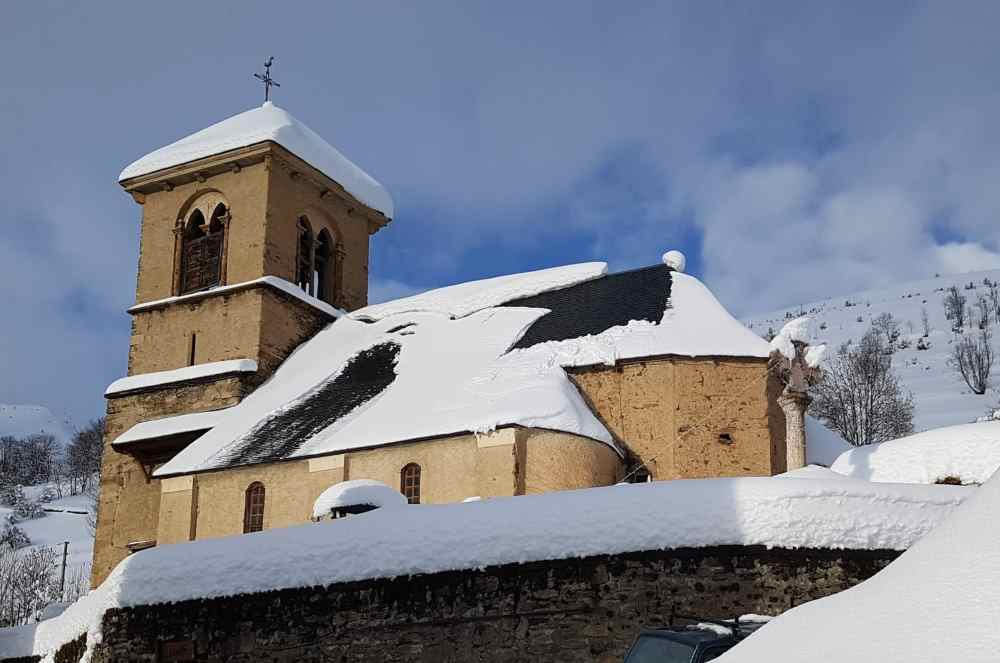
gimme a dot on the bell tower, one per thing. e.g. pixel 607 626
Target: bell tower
pixel 255 235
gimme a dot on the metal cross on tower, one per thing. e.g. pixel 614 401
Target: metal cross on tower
pixel 267 80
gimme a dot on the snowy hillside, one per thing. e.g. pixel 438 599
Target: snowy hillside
pixel 24 420
pixel 940 396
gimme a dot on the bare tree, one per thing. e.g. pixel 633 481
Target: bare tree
pixel 925 322
pixel 28 583
pixel 859 394
pixel 994 295
pixel 954 308
pixel 982 319
pixel 972 358
pixel 888 327
pixel 83 455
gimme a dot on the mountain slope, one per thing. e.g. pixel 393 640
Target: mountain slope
pixel 940 395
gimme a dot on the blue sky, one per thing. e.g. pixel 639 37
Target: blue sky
pixel 793 150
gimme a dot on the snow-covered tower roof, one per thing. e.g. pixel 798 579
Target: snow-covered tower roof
pixel 267 123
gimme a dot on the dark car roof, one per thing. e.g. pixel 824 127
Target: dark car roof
pixel 693 637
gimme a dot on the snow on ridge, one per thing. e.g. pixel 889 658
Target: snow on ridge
pixel 463 299
pixel 24 420
pixel 968 452
pixel 195 372
pixel 357 492
pixel 268 123
pixel 414 539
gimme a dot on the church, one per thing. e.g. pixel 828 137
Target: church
pixel 259 376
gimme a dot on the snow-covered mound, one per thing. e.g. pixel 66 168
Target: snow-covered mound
pixel 823 446
pixel 386 543
pixel 357 492
pixel 24 420
pixel 940 396
pixel 268 123
pixel 968 453
pixel 940 601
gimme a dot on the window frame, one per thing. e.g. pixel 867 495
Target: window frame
pixel 254 501
pixel 410 478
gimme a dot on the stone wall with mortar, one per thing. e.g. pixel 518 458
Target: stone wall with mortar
pixel 566 610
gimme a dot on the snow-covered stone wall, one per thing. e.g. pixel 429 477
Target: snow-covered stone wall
pixel 562 610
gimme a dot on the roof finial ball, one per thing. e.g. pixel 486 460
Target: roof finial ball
pixel 675 260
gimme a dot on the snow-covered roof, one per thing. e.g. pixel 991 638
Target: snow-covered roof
pixel 357 492
pixel 185 374
pixel 268 123
pixel 182 423
pixel 939 601
pixel 967 452
pixel 387 543
pixel 442 363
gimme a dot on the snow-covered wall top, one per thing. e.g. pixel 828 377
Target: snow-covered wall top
pixel 24 420
pixel 967 452
pixel 183 423
pixel 185 374
pixel 275 282
pixel 455 373
pixel 414 539
pixel 268 123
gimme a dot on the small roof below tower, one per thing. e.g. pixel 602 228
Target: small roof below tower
pixel 258 125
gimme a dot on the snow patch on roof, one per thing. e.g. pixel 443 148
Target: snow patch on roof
pixel 183 423
pixel 463 299
pixel 695 325
pixel 389 543
pixel 357 492
pixel 268 123
pixel 196 372
pixel 968 452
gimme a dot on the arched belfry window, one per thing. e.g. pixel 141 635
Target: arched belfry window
pixel 253 510
pixel 304 260
pixel 322 262
pixel 201 250
pixel 409 483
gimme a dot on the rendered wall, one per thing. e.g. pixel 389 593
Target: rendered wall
pixel 559 461
pixel 671 412
pixel 572 610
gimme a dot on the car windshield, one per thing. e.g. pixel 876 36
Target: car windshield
pixel 652 649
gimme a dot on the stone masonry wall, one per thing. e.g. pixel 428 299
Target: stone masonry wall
pixel 565 610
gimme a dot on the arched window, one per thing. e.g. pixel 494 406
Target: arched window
pixel 409 483
pixel 322 261
pixel 253 510
pixel 304 259
pixel 201 252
